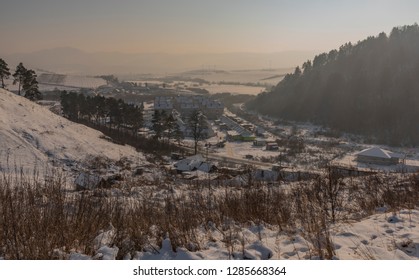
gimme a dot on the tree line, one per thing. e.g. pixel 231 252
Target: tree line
pixel 111 112
pixel 120 117
pixel 25 78
pixel 370 88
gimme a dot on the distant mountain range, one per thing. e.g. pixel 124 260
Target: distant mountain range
pixel 75 61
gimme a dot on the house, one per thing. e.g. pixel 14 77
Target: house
pixel 378 156
pixel 194 163
pixel 272 146
pixel 259 142
pixel 236 131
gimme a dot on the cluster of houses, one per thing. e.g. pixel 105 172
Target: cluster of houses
pixel 270 145
pixel 374 157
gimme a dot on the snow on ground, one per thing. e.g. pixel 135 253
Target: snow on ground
pixel 233 89
pixel 267 76
pixel 31 136
pixel 83 81
pixel 212 88
pixel 67 82
pixel 383 236
pixel 350 161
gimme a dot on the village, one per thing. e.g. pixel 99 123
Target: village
pixel 236 150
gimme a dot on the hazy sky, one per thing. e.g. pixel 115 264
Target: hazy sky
pixel 180 26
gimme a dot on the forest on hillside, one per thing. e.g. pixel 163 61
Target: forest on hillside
pixel 370 88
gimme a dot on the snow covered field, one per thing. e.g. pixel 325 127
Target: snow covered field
pixel 233 89
pixel 49 82
pixel 266 76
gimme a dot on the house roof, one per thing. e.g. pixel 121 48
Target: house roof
pixel 190 163
pixel 378 153
pixel 194 163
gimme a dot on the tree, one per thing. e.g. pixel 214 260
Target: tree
pixel 368 88
pixel 69 105
pixel 198 125
pixel 171 126
pixel 158 121
pixel 19 75
pixel 133 117
pixel 307 66
pixel 4 72
pixel 30 85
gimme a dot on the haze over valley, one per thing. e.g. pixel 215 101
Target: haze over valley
pixel 209 130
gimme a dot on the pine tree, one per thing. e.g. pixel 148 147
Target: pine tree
pixel 171 127
pixel 19 75
pixel 4 72
pixel 158 125
pixel 133 118
pixel 30 85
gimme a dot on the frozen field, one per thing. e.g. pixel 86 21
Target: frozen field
pixel 266 76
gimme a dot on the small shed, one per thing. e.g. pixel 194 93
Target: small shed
pixel 378 156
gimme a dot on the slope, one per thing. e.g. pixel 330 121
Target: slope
pixel 32 136
pixel 368 88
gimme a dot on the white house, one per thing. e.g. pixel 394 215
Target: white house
pixel 193 163
pixel 379 156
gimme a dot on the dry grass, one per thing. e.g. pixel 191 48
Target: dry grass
pixel 38 216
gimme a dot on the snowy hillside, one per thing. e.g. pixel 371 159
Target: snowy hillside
pixel 31 135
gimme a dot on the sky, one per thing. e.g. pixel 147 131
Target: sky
pixel 195 26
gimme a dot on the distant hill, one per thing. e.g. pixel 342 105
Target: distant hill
pixel 75 61
pixel 32 137
pixel 370 88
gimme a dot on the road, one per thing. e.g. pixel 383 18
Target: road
pixel 239 160
pixel 229 158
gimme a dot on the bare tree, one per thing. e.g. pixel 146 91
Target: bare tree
pixel 198 125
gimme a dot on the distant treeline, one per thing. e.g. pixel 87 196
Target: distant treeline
pixel 370 88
